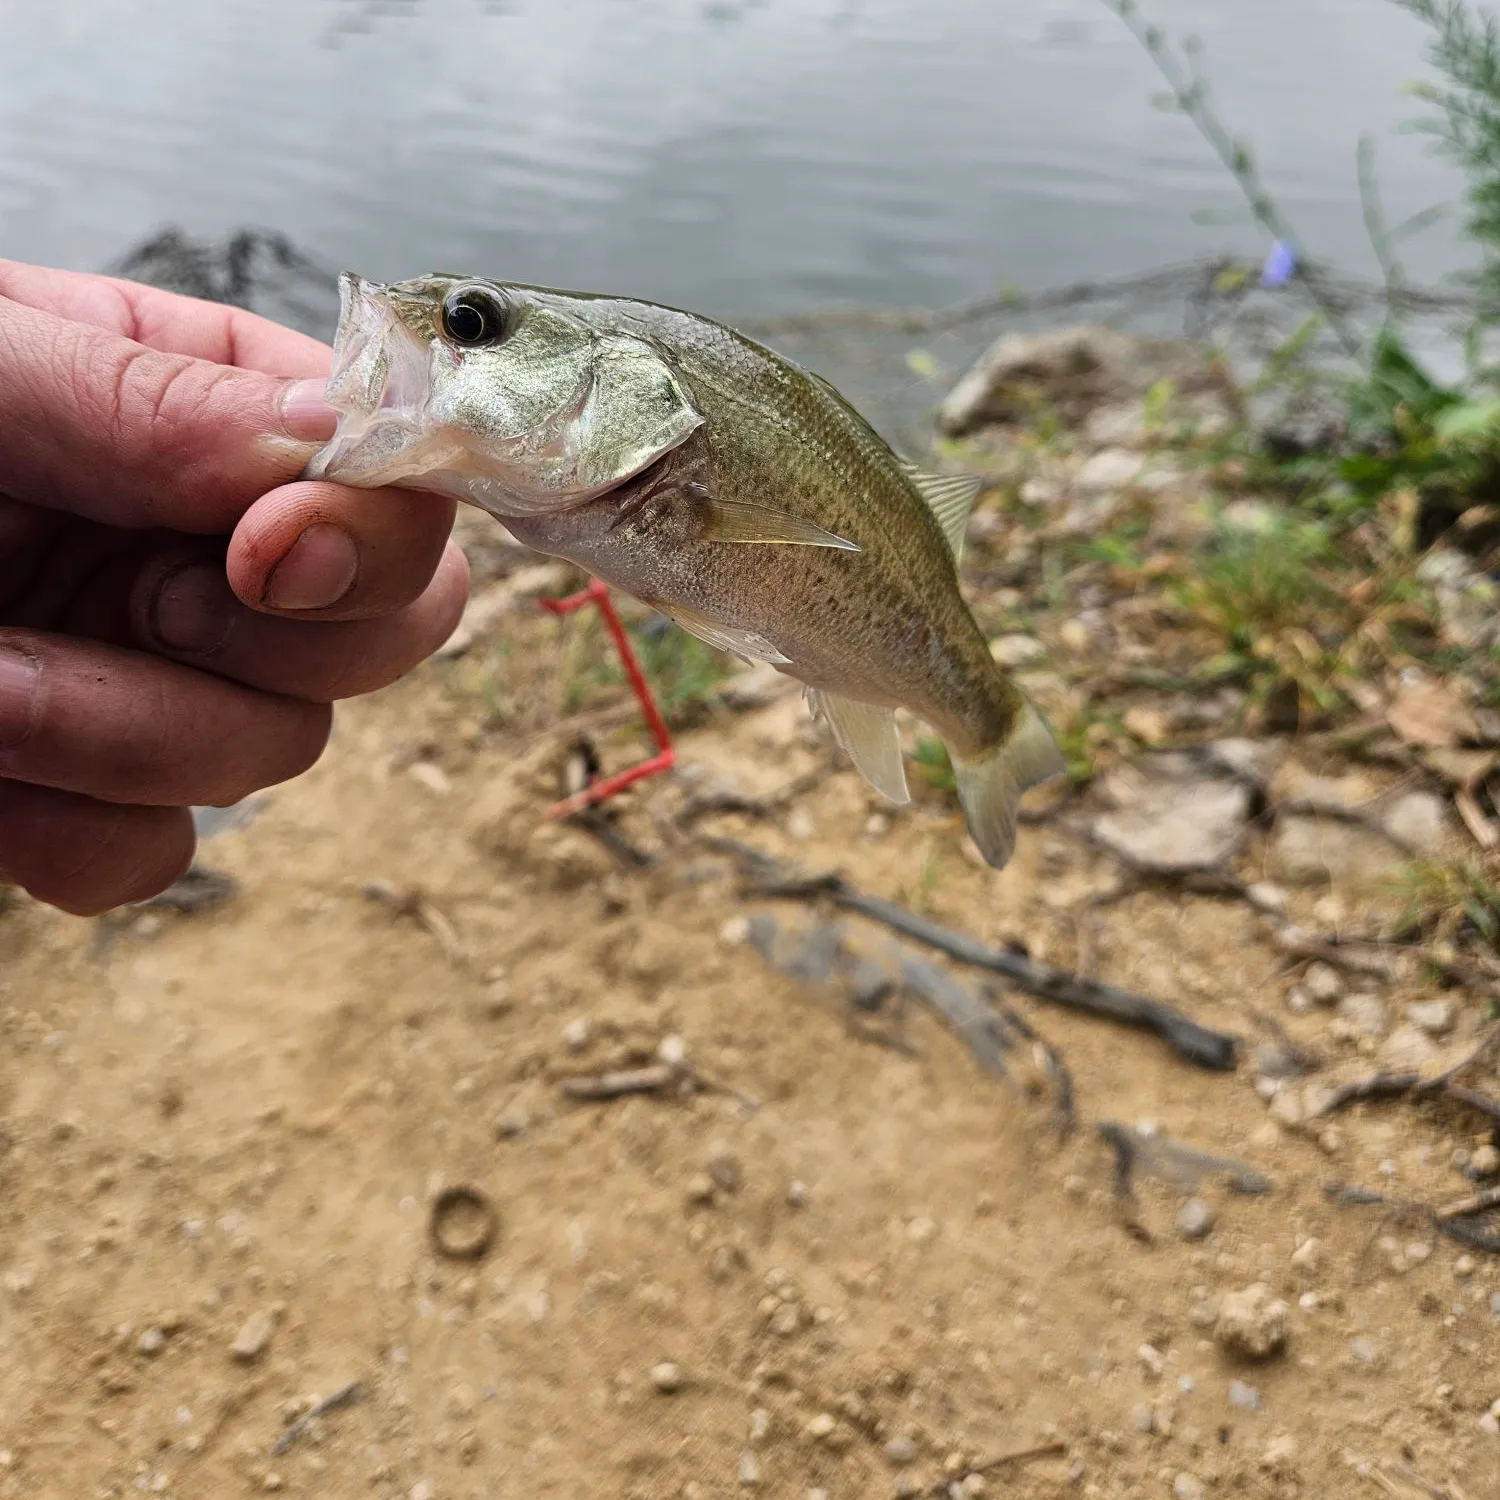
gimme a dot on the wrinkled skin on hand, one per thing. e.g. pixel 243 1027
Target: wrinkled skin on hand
pixel 177 611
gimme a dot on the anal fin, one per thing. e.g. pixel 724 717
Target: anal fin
pixel 867 734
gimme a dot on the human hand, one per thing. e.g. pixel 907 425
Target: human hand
pixel 177 613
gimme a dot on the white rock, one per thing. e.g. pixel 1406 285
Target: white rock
pixel 1323 982
pixel 1109 469
pixel 255 1333
pixel 1017 650
pixel 1252 1323
pixel 1407 1050
pixel 1432 1016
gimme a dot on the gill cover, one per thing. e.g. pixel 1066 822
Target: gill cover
pixel 550 416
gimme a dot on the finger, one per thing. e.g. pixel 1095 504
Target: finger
pixel 167 321
pixel 104 427
pixel 88 856
pixel 94 719
pixel 338 554
pixel 185 609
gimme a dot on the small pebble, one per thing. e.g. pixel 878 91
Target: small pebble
pixel 578 1033
pixel 1417 1251
pixel 796 1194
pixel 899 1451
pixel 821 1426
pixel 1298 1001
pixel 1485 1161
pixel 1195 1219
pixel 1243 1396
pixel 273 1481
pixel 907 1486
pixel 1464 1267
pixel 921 1230
pixel 724 1167
pixel 1489 1424
pixel 1187 1487
pixel 1141 1417
pixel 1495 1303
pixel 1153 1359
pixel 700 1188
pixel 667 1377
pixel 250 1342
pixel 1323 982
pixel 421 1490
pixel 735 932
pixel 1432 1016
pixel 152 1341
pixel 1252 1324
pixel 749 1469
pixel 1307 1255
pixel 1362 1351
pixel 672 1050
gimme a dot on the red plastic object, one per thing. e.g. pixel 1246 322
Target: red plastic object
pixel 666 757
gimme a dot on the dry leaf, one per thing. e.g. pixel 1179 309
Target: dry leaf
pixel 1428 711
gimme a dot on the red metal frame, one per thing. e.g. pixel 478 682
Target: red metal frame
pixel 597 593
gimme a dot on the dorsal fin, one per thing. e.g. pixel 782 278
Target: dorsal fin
pixel 950 497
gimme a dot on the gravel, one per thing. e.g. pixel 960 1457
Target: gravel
pixel 1252 1324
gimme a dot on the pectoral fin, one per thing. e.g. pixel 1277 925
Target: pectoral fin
pixel 868 736
pixel 743 643
pixel 743 521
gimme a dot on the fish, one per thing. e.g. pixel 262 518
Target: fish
pixel 716 481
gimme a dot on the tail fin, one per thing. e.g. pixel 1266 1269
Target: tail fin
pixel 991 788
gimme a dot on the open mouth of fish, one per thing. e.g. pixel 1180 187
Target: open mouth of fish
pixel 381 384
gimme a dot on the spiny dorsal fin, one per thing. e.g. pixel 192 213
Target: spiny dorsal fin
pixel 950 497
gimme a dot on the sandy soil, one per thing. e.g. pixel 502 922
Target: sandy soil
pixel 873 1269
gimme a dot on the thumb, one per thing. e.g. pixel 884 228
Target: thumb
pixel 107 428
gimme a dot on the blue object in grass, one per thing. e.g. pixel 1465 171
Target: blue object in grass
pixel 1280 266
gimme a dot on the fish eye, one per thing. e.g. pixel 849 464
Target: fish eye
pixel 474 317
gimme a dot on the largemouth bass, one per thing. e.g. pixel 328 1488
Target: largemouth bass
pixel 726 487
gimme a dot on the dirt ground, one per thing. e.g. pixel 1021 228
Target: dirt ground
pixel 872 1269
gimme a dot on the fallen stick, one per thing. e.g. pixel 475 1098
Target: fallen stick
pixel 1194 1043
pixel 1441 1085
pixel 622 1081
pixel 1475 1203
pixel 1457 1226
pixel 344 1396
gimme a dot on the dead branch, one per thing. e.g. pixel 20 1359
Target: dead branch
pixel 1459 1227
pixel 1192 1042
pixel 1475 1203
pixel 622 1081
pixel 345 1396
pixel 1415 1085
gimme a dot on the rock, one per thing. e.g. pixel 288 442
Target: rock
pixel 431 777
pixel 1118 426
pixel 900 1451
pixel 749 1474
pixel 1195 1219
pixel 1038 490
pixel 1435 1017
pixel 578 1033
pixel 1279 1452
pixel 667 1378
pixel 1468 602
pixel 1017 650
pixel 922 1230
pixel 1485 1161
pixel 152 1341
pixel 1314 851
pixel 1087 374
pixel 1169 816
pixel 1429 712
pixel 1464 1267
pixel 1407 1050
pixel 1420 821
pixel 1362 1351
pixel 1243 1397
pixel 1323 982
pixel 1308 1255
pixel 1418 1251
pixel 796 1193
pixel 1365 1013
pixel 1187 1487
pixel 1252 1324
pixel 1108 470
pixel 821 1426
pixel 255 1333
pixel 1489 1424
pixel 724 1167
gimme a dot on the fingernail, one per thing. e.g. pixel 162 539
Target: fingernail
pixel 194 610
pixel 305 415
pixel 18 675
pixel 318 570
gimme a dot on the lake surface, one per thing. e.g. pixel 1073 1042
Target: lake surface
pixel 737 156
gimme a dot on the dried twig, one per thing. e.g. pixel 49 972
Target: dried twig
pixel 1474 1203
pixel 1415 1085
pixel 345 1396
pixel 1466 1228
pixel 622 1081
pixel 1194 1043
pixel 413 903
pixel 954 1487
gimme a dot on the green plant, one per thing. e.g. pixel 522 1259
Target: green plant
pixel 1442 898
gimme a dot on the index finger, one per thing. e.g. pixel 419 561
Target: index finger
pixel 166 321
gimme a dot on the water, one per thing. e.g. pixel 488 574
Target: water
pixel 737 156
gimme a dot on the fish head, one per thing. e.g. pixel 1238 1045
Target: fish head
pixel 502 395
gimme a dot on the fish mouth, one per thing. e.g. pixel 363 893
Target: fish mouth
pixel 380 383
